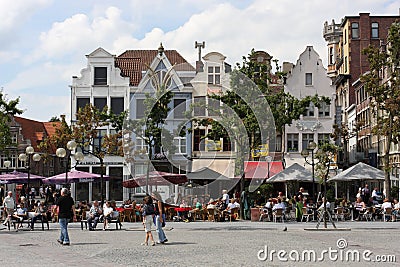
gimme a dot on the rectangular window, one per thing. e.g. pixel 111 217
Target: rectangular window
pixel 292 142
pixel 227 145
pixel 309 79
pixel 331 56
pixel 81 102
pixel 323 138
pixel 374 30
pixel 99 140
pixel 213 107
pixel 278 143
pixel 100 102
pixel 14 138
pixel 214 75
pixel 179 108
pixel 306 139
pixel 345 37
pixel 199 143
pixel 324 110
pixel 100 76
pixel 140 108
pixel 115 184
pixel 345 64
pixel 199 106
pixel 309 112
pixel 180 144
pixel 354 30
pixel 117 105
pixel 140 145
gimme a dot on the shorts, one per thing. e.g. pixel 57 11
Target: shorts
pixel 148 222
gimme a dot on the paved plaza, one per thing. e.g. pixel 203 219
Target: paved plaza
pixel 240 243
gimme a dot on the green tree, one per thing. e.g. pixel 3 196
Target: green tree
pixel 385 94
pixel 8 108
pixel 284 107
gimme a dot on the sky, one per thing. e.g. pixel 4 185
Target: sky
pixel 43 43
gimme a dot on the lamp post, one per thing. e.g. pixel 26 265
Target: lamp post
pixel 26 157
pixel 305 153
pixel 62 153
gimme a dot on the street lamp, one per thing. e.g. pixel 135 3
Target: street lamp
pixel 305 153
pixel 26 157
pixel 62 153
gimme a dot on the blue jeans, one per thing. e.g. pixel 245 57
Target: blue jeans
pixel 64 231
pixel 160 231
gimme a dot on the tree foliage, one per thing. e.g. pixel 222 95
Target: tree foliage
pixel 86 130
pixel 150 128
pixel 8 108
pixel 382 83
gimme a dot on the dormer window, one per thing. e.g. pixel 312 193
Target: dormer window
pixel 214 75
pixel 100 76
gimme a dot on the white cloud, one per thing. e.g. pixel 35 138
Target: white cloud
pixel 283 28
pixel 14 12
pixel 81 33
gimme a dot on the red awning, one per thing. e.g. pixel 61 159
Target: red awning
pixel 259 169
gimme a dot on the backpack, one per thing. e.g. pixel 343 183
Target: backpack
pixel 149 209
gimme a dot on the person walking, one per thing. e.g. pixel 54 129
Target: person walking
pixel 147 214
pixel 9 206
pixel 66 207
pixel 159 218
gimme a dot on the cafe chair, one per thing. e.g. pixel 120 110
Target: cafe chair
pixel 307 216
pixel 278 214
pixel 339 213
pixel 387 214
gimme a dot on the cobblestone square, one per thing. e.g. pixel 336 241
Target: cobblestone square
pixel 200 244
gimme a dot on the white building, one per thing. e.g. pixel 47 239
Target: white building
pixel 308 78
pixel 120 82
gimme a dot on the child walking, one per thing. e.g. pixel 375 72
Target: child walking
pixel 148 213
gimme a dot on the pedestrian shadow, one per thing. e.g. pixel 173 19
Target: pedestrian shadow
pixel 178 243
pixel 87 243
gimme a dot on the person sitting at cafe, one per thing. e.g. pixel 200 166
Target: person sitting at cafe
pixel 344 203
pixel 229 208
pixel 388 205
pixel 39 213
pixel 21 214
pixel 94 215
pixel 107 212
pixel 279 206
pixel 359 206
pixel 396 207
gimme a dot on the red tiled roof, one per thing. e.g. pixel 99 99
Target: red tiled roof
pixel 133 62
pixel 36 131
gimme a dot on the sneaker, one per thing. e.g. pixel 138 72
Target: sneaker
pixel 59 241
pixel 65 244
pixel 153 244
pixel 165 241
pixel 144 244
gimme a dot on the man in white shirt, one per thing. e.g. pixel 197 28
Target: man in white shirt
pixel 387 205
pixel 328 205
pixel 225 198
pixel 9 206
pixel 279 205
